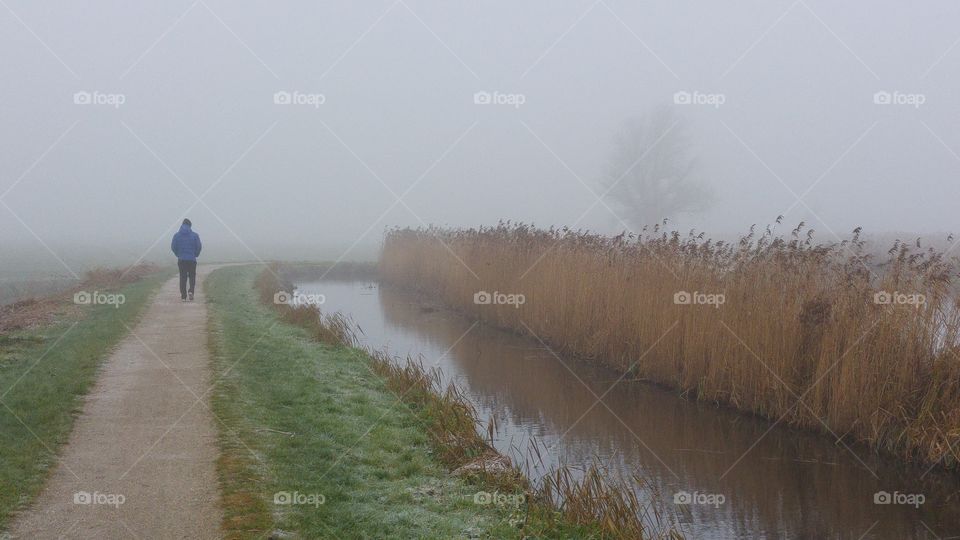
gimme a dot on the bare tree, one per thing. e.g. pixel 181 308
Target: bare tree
pixel 650 174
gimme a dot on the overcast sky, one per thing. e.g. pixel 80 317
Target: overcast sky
pixel 187 108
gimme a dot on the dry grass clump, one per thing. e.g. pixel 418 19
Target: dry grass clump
pixel 115 277
pixel 593 498
pixel 450 419
pixel 803 334
pixel 610 510
pixel 330 329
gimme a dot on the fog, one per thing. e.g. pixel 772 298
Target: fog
pixel 386 126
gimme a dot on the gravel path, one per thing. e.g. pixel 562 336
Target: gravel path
pixel 140 462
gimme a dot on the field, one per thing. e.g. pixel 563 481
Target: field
pixel 825 337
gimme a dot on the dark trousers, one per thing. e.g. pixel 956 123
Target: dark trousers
pixel 188 270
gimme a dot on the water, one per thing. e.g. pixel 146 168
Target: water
pixel 775 482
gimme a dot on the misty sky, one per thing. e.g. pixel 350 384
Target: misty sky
pixel 398 80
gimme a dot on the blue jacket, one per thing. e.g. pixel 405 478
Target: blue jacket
pixel 186 244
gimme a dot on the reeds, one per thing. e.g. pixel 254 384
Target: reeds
pixel 593 498
pixel 817 336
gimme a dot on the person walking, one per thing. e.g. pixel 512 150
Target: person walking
pixel 186 246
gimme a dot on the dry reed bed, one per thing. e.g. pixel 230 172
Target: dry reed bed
pixel 801 336
pixel 590 499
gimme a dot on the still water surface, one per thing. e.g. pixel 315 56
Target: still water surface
pixel 775 482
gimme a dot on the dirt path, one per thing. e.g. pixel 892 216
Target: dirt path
pixel 140 462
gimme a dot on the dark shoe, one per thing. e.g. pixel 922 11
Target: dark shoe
pixel 191 297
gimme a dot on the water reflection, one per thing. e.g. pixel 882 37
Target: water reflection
pixel 777 483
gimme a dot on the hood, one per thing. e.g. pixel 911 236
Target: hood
pixel 184 229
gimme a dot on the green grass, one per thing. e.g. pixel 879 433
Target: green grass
pixel 44 374
pixel 300 416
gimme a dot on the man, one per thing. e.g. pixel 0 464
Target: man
pixel 186 246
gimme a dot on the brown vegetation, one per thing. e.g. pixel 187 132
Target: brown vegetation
pixel 34 312
pixel 804 335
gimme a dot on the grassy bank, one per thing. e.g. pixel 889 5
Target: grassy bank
pixel 50 350
pixel 313 419
pixel 565 504
pixel 817 336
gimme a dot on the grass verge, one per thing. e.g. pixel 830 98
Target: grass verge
pixel 46 369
